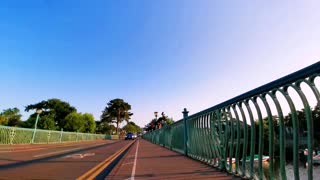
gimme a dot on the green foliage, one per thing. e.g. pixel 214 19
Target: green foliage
pixel 90 124
pixel 105 128
pixel 117 111
pixel 29 123
pixel 47 122
pixel 74 122
pixel 53 108
pixel 266 129
pixel 58 114
pixel 132 127
pixel 169 121
pixel 3 120
pixel 316 125
pixel 301 119
pixel 10 117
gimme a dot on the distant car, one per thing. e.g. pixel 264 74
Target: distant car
pixel 130 136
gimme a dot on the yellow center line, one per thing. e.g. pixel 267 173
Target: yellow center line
pixel 95 171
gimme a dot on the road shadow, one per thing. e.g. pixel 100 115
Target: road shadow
pixel 46 159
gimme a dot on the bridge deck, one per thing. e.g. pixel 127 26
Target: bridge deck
pixel 148 161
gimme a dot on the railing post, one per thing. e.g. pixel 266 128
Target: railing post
pixel 77 136
pixel 48 137
pixel 61 134
pixel 185 116
pixel 12 134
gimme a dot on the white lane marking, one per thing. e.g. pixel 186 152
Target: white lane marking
pixel 135 163
pixel 67 150
pixel 79 156
pixel 75 156
pixel 88 154
pixel 56 152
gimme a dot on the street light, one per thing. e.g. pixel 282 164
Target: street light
pixel 154 123
pixel 156 114
pixel 39 111
pixel 163 119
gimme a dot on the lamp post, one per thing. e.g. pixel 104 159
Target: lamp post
pixel 185 134
pixel 163 121
pixel 39 111
pixel 156 115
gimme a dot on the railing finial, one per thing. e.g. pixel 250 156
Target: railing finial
pixel 185 113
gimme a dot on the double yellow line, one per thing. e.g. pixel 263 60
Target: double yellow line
pixel 95 171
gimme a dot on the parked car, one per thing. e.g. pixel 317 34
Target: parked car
pixel 130 136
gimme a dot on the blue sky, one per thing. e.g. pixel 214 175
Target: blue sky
pixel 156 55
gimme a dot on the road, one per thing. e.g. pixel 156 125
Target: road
pixel 147 161
pixel 137 159
pixel 59 161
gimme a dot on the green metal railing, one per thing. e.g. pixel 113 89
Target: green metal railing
pixel 250 135
pixel 14 135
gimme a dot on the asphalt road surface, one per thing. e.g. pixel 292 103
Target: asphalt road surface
pixel 54 161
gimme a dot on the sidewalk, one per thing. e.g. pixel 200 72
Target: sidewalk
pixel 149 161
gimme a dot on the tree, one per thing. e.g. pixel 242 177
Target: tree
pixel 169 121
pixel 117 111
pixel 132 127
pixel 74 122
pixel 105 128
pixel 90 124
pixel 47 122
pixel 301 116
pixel 3 120
pixel 10 117
pixel 316 126
pixel 54 111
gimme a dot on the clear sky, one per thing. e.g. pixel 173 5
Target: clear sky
pixel 156 55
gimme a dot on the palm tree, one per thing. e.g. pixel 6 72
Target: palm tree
pixel 117 111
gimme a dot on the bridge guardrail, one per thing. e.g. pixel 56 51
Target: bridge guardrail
pixel 260 134
pixel 17 135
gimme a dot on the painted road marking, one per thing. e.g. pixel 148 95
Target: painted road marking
pixel 79 156
pixel 56 152
pixel 133 173
pixel 88 154
pixel 67 150
pixel 75 156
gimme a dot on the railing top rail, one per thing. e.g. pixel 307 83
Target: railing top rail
pixel 303 73
pixel 46 130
